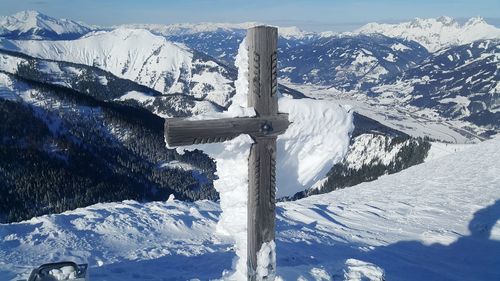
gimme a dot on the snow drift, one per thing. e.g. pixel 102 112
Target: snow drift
pixel 434 221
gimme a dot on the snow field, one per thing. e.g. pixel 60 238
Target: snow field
pixel 434 221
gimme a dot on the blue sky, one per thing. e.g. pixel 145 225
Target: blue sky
pixel 310 15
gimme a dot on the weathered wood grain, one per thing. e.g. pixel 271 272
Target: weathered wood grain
pixel 262 42
pixel 262 49
pixel 261 200
pixel 180 132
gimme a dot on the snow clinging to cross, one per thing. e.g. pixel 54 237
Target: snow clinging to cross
pixel 261 148
pixel 263 129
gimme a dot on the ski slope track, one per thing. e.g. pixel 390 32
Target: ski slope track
pixel 435 221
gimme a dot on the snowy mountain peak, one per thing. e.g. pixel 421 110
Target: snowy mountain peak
pixel 476 21
pixel 432 22
pixel 27 16
pixel 436 33
pixel 35 25
pixel 446 20
pixel 139 56
pixel 191 28
pixel 293 32
pixel 126 35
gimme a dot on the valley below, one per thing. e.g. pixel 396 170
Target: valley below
pixel 413 121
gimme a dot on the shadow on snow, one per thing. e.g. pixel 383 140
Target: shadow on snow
pixel 472 257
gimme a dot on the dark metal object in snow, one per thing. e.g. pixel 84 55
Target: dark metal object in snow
pixel 264 128
pixel 45 272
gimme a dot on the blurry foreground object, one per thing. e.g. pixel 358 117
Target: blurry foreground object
pixel 60 271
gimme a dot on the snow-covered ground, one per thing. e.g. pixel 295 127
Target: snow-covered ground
pixel 439 149
pixel 435 221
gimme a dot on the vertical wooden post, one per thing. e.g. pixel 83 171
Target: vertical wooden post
pixel 262 95
pixel 262 44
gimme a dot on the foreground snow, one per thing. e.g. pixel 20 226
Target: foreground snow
pixel 435 221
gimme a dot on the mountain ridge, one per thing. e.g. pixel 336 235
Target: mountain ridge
pixel 30 24
pixel 287 32
pixel 435 33
pixel 145 58
pixel 35 25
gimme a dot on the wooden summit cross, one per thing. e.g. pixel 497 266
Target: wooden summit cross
pixel 264 128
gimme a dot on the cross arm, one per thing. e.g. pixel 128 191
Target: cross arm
pixel 179 131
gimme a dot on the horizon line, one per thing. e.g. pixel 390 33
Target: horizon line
pixel 284 23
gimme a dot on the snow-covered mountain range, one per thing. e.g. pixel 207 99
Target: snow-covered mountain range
pixel 101 85
pixel 369 57
pixel 147 59
pixel 436 33
pixel 34 25
pixel 349 62
pixel 288 32
pixel 459 82
pixel 166 70
pixel 221 40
